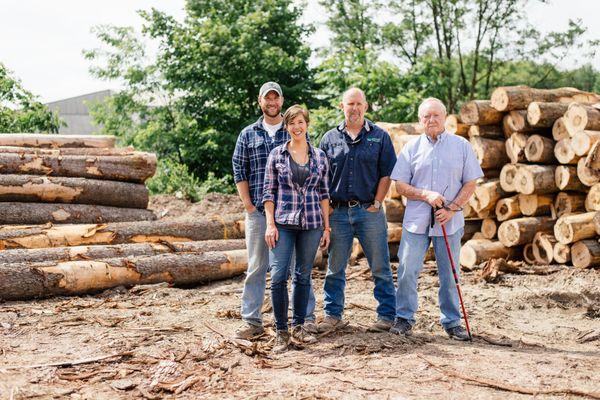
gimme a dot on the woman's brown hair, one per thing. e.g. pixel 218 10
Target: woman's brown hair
pixel 293 112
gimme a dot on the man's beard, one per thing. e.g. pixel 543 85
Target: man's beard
pixel 272 114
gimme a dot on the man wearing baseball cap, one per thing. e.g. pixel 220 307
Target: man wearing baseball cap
pixel 252 149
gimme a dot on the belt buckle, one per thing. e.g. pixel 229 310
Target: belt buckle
pixel 353 203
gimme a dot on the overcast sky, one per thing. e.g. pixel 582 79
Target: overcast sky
pixel 42 41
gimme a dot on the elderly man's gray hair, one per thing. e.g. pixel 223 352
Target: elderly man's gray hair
pixel 431 100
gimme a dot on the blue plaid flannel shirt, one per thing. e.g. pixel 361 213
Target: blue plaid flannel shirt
pixel 295 205
pixel 250 157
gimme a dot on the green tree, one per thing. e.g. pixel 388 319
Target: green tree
pixel 20 111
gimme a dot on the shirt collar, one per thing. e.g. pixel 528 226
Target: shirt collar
pixel 311 150
pixel 441 137
pixel 342 127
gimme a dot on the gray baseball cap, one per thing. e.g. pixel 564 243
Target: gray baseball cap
pixel 267 87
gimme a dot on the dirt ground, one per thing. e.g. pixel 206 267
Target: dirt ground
pixel 534 334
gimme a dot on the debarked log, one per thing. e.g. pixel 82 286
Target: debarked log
pixel 522 230
pixel 474 252
pixel 506 98
pixel 572 228
pixel 34 189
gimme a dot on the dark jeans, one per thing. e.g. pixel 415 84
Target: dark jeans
pixel 306 244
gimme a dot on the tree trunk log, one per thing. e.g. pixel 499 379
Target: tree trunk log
pixel 133 168
pixel 559 131
pixel 543 247
pixel 508 175
pixel 480 112
pixel 587 176
pixel 456 126
pixel 100 252
pixel 544 115
pixel 562 253
pixel 597 222
pixel 474 252
pixel 583 141
pixel 12 213
pixel 33 189
pixel 522 230
pixel 408 128
pixel 564 152
pixel 472 227
pixel 508 98
pixel 536 179
pixel 490 153
pixel 489 228
pixel 536 205
pixel 508 208
pixel 540 149
pixel 569 203
pixel 592 200
pixel 70 151
pixel 515 148
pixel 394 210
pixel 592 160
pixel 579 117
pixel 30 237
pixel 55 141
pixel 528 255
pixel 566 178
pixel 486 195
pixel 399 141
pixel 572 228
pixel 79 277
pixel 486 131
pixel 517 121
pixel 586 254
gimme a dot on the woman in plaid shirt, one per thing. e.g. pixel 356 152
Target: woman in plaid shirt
pixel 296 201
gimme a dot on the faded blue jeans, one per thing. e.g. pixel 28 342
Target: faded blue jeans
pixel 305 243
pixel 371 230
pixel 411 255
pixel 253 295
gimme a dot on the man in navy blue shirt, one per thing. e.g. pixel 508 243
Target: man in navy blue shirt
pixel 361 158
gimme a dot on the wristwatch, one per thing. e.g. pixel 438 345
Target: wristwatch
pixel 376 204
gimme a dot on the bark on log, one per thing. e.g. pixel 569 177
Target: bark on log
pixel 566 178
pixel 592 160
pixel 474 252
pixel 55 141
pixel 100 252
pixel 408 128
pixel 586 254
pixel 543 247
pixel 522 230
pixel 515 148
pixel 70 151
pixel 536 179
pixel 33 189
pixel 592 200
pixel 79 277
pixel 508 208
pixel 489 228
pixel 583 141
pixel 587 176
pixel 131 168
pixel 468 212
pixel 572 228
pixel 536 205
pixel 597 222
pixel 559 131
pixel 540 114
pixel 490 153
pixel 508 98
pixel 456 126
pixel 41 213
pixel 579 117
pixel 394 210
pixel 540 149
pixel 37 236
pixel 486 195
pixel 564 152
pixel 562 253
pixel 569 203
pixel 491 174
pixel 480 112
pixel 486 131
pixel 508 174
pixel 472 227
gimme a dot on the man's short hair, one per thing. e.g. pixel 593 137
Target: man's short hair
pixel 431 100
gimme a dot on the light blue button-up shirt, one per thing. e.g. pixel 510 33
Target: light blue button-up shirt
pixel 443 166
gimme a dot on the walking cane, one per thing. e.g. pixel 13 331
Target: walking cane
pixel 462 304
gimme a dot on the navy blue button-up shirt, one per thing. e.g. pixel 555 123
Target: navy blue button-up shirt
pixel 356 166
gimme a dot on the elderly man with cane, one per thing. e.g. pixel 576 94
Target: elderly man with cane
pixel 437 173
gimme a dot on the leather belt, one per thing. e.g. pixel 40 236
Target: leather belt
pixel 349 204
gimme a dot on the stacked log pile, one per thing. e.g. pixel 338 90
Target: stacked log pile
pixel 74 219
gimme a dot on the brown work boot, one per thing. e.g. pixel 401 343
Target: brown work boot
pixel 381 325
pixel 330 323
pixel 311 327
pixel 300 333
pixel 282 341
pixel 248 331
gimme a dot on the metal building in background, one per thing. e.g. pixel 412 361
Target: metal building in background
pixel 75 112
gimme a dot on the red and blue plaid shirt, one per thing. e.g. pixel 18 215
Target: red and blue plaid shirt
pixel 294 204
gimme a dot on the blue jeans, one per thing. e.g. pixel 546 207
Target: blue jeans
pixel 306 244
pixel 371 230
pixel 256 274
pixel 411 255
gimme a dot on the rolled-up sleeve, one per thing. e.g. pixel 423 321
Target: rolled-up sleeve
pixel 387 159
pixel 324 179
pixel 471 169
pixel 240 160
pixel 402 172
pixel 270 184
